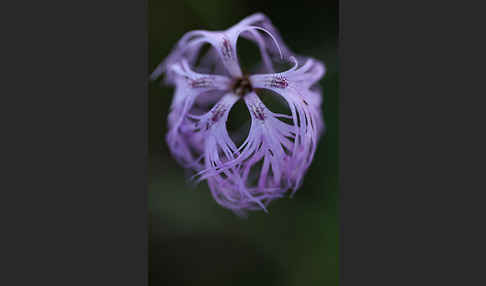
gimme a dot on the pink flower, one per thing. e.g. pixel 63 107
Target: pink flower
pixel 279 147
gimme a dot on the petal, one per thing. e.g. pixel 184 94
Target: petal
pixel 271 138
pixel 224 180
pixel 200 81
pixel 189 85
pixel 189 46
pixel 182 50
pixel 304 76
pixel 294 86
pixel 273 45
pixel 218 146
pixel 225 45
pixel 268 142
pixel 228 169
pixel 270 44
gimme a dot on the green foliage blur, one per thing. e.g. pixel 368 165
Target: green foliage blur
pixel 194 241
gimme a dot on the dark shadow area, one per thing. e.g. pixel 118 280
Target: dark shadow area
pixel 209 259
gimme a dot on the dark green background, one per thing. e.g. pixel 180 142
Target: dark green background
pixel 194 241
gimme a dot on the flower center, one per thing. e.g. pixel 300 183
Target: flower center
pixel 241 86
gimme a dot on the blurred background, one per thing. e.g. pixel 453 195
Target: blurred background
pixel 193 240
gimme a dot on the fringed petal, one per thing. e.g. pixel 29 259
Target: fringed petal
pixel 189 85
pixel 295 86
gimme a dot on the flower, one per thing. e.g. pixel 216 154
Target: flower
pixel 279 147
